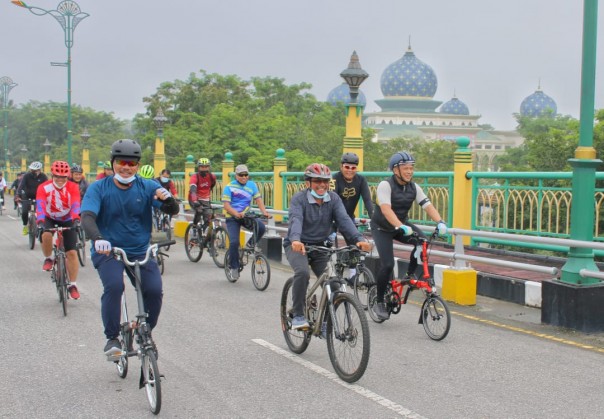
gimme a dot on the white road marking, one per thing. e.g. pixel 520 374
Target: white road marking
pixel 397 408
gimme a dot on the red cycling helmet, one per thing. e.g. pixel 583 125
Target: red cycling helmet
pixel 60 168
pixel 317 171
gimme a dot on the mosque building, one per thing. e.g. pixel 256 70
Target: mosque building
pixel 408 109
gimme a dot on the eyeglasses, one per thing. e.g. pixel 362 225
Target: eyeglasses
pixel 348 167
pixel 129 163
pixel 243 174
pixel 321 181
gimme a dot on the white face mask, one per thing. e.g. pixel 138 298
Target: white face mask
pixel 57 186
pixel 123 180
pixel 316 195
pixel 164 179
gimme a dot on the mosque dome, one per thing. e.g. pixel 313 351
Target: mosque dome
pixel 409 76
pixel 342 94
pixel 454 107
pixel 538 104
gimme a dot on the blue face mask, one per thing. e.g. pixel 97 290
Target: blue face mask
pixel 316 195
pixel 164 179
pixel 123 180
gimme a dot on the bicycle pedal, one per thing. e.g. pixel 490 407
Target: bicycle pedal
pixel 115 357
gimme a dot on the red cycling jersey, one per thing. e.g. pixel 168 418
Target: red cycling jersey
pixel 58 204
pixel 203 187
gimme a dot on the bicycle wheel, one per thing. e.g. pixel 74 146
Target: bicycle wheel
pixel 219 245
pixel 161 263
pixel 33 232
pixel 166 227
pixel 151 380
pixel 363 280
pixel 371 302
pixel 81 246
pixel 227 270
pixel 297 340
pixel 62 283
pixel 18 210
pixel 349 346
pixel 122 363
pixel 435 317
pixel 192 244
pixel 261 272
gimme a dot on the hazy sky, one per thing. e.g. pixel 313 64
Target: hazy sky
pixel 491 53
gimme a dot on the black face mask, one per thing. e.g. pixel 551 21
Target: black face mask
pixel 203 173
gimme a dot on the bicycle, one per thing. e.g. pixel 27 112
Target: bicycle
pixel 19 209
pixel 80 244
pixel 32 226
pixel 434 316
pixel 1 204
pixel 159 237
pixel 138 331
pixel 362 279
pixel 195 235
pixel 59 274
pixel 162 222
pixel 335 315
pixel 261 268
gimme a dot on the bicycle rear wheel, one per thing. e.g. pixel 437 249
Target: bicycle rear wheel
pixel 122 363
pixel 166 227
pixel 371 302
pixel 349 346
pixel 435 317
pixel 227 270
pixel 151 380
pixel 18 210
pixel 363 281
pixel 297 340
pixel 219 245
pixel 193 246
pixel 261 272
pixel 81 246
pixel 32 232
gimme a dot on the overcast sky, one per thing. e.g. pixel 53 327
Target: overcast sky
pixel 491 53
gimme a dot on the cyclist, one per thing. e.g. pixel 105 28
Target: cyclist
pixel 390 221
pixel 165 182
pixel 58 203
pixel 77 177
pixel 237 197
pixel 200 194
pixel 312 213
pixel 14 187
pixel 2 189
pixel 107 171
pixel 147 171
pixel 117 212
pixel 27 190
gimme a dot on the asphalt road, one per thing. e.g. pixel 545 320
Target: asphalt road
pixel 223 355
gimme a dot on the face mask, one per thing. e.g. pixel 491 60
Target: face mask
pixel 203 174
pixel 57 186
pixel 316 195
pixel 164 179
pixel 123 180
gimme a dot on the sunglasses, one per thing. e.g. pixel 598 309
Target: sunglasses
pixel 243 174
pixel 129 163
pixel 348 167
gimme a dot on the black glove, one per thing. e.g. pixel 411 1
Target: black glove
pixel 196 204
pixel 170 206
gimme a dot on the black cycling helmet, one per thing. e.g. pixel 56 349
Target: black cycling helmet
pixel 76 168
pixel 350 158
pixel 401 157
pixel 128 149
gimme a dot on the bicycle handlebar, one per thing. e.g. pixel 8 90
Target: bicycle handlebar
pixel 151 250
pixel 324 249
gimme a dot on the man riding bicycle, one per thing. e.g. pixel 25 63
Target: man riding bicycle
pixel 117 212
pixel 395 196
pixel 58 204
pixel 237 197
pixel 200 194
pixel 312 214
pixel 27 190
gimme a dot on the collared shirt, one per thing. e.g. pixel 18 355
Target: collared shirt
pixel 240 196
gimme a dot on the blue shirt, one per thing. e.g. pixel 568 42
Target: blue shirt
pixel 123 216
pixel 240 196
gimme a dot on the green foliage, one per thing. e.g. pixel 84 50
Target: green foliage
pixel 430 155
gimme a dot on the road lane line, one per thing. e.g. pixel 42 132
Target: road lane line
pixel 388 404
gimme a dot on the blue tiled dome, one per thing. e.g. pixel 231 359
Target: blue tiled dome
pixel 342 94
pixel 409 77
pixel 455 107
pixel 537 104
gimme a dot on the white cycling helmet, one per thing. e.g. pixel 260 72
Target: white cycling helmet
pixel 35 166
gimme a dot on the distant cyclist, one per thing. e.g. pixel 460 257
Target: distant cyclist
pixel 15 188
pixel 58 203
pixel 77 177
pixel 200 193
pixel 147 172
pixel 165 181
pixel 27 190
pixel 107 171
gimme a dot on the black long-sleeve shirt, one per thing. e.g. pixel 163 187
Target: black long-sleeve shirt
pixel 351 192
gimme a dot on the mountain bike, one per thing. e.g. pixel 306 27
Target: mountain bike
pixel 362 279
pixel 196 240
pixel 59 274
pixel 333 314
pixel 138 331
pixel 162 222
pixel 80 243
pixel 434 315
pixel 261 268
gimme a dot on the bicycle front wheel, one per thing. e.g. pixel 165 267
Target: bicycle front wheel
pixel 219 245
pixel 348 340
pixel 363 280
pixel 435 317
pixel 62 283
pixel 261 272
pixel 81 246
pixel 166 227
pixel 297 340
pixel 151 380
pixel 193 246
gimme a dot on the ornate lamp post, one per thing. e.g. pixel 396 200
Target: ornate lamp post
pixel 68 14
pixel 47 156
pixel 354 75
pixel 6 85
pixel 8 168
pixel 85 136
pixel 23 151
pixel 159 158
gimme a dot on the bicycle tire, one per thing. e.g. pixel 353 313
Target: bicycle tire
pixel 161 263
pixel 227 270
pixel 18 211
pixel 435 317
pixel 62 283
pixel 193 247
pixel 81 246
pixel 166 227
pixel 122 364
pixel 219 245
pixel 297 340
pixel 349 353
pixel 261 272
pixel 371 301
pixel 32 232
pixel 151 380
pixel 363 280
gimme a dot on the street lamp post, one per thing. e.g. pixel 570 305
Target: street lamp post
pixel 85 136
pixel 47 156
pixel 6 85
pixel 68 14
pixel 159 158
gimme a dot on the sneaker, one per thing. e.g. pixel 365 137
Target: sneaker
pixel 257 249
pixel 300 322
pixel 73 292
pixel 25 230
pixel 112 347
pixel 381 311
pixel 48 262
pixel 234 273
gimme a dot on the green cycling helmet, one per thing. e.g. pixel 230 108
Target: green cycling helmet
pixel 107 165
pixel 147 171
